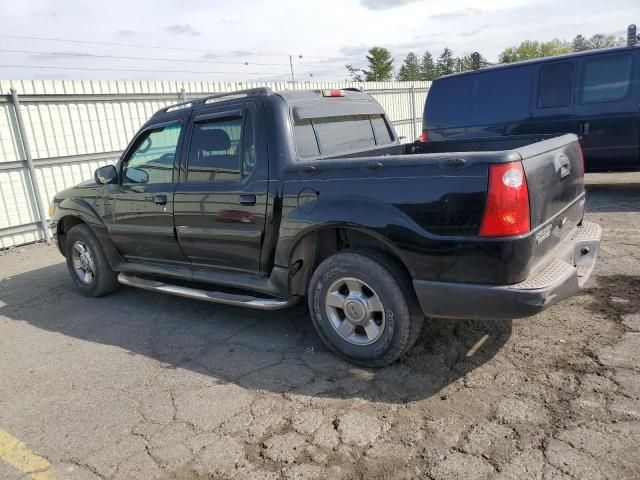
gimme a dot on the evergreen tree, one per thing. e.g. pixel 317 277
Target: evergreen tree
pixel 410 69
pixel 428 70
pixel 446 62
pixel 380 65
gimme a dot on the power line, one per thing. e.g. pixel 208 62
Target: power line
pixel 92 55
pixel 153 71
pixel 160 47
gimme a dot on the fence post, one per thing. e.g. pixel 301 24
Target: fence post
pixel 413 113
pixel 183 95
pixel 32 171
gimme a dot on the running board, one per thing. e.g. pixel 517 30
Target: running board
pixel 206 295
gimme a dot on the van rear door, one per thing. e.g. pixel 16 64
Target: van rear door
pixel 607 110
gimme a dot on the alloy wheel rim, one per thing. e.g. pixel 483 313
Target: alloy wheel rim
pixel 355 311
pixel 83 264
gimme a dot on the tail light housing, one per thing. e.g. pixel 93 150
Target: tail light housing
pixel 507 211
pixel 333 93
pixel 425 136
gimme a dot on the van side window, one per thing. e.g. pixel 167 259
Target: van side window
pixel 554 86
pixel 214 153
pixel 605 79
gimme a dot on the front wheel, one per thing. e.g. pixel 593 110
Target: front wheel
pixel 363 307
pixel 87 264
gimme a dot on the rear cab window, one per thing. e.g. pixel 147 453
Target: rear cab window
pixel 341 134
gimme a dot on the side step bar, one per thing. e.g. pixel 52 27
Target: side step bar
pixel 209 296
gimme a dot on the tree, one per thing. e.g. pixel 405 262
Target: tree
pixel 380 65
pixel 600 40
pixel 466 63
pixel 410 69
pixel 532 49
pixel 446 62
pixel 356 73
pixel 580 44
pixel 428 70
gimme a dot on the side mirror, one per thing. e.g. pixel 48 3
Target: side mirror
pixel 135 175
pixel 104 175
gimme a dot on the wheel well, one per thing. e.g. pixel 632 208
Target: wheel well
pixel 64 225
pixel 317 246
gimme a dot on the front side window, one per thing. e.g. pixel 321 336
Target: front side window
pixel 605 79
pixel 554 87
pixel 152 160
pixel 215 150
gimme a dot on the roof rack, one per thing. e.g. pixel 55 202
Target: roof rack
pixel 251 92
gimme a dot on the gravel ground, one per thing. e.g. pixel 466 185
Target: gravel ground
pixel 142 385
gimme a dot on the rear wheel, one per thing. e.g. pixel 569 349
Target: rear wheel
pixel 87 264
pixel 363 307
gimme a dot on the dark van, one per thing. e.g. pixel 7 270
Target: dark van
pixel 594 94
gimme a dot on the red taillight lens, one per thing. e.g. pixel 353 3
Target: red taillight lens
pixel 425 136
pixel 507 211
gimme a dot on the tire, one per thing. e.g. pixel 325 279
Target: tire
pixel 360 288
pixel 84 255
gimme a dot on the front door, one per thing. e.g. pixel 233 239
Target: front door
pixel 607 111
pixel 221 200
pixel 142 226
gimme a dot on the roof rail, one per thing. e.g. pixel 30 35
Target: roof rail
pixel 250 92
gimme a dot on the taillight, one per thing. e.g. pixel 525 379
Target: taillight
pixel 425 136
pixel 507 211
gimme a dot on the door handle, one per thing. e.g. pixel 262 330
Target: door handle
pixel 157 199
pixel 584 128
pixel 247 199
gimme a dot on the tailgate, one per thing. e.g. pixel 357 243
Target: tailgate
pixel 555 178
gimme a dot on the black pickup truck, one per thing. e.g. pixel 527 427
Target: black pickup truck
pixel 260 199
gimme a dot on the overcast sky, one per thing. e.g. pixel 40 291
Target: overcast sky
pixel 252 39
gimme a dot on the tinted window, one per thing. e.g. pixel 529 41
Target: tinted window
pixel 493 96
pixel 343 134
pixel 152 160
pixel 554 85
pixel 605 79
pixel 306 139
pixel 214 152
pixel 381 130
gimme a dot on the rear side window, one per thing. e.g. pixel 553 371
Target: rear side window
pixel 605 79
pixel 335 135
pixel 497 96
pixel 214 152
pixel 554 85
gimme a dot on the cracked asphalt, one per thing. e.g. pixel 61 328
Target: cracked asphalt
pixel 139 385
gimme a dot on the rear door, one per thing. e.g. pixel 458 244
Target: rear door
pixel 221 200
pixel 607 110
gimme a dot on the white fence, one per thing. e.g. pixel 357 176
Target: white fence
pixel 72 127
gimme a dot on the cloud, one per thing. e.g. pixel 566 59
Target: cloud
pixel 51 14
pixel 385 4
pixel 126 33
pixel 182 29
pixel 467 12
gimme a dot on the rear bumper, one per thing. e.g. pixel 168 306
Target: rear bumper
pixel 561 276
